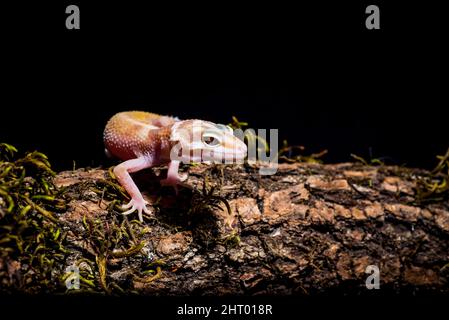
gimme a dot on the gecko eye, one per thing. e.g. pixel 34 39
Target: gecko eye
pixel 211 140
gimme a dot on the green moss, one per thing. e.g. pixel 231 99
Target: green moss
pixel 370 162
pixel 434 187
pixel 31 236
pixel 232 240
pixel 291 154
pixel 33 240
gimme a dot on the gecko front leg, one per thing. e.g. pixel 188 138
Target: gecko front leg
pixel 173 176
pixel 122 172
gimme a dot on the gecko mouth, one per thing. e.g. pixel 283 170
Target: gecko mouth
pixel 218 155
pixel 237 155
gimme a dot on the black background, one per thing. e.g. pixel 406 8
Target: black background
pixel 310 69
pixel 371 306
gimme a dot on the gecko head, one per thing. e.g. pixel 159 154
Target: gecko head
pixel 204 141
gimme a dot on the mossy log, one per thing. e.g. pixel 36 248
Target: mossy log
pixel 308 229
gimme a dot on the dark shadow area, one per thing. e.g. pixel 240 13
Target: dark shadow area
pixel 313 72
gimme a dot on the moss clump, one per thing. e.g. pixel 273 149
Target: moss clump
pixel 114 238
pixel 31 236
pixel 434 187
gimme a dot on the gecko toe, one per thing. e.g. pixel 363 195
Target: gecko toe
pixel 128 205
pixel 145 209
pixel 139 213
pixel 125 213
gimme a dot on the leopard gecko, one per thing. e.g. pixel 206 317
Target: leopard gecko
pixel 143 140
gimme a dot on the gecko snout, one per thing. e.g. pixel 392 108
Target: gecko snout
pixel 239 150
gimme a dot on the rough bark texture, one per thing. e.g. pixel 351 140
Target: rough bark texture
pixel 308 229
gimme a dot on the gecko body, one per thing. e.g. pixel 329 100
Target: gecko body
pixel 143 140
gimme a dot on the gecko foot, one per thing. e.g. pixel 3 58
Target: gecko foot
pixel 137 204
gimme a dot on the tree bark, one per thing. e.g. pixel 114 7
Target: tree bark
pixel 308 229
